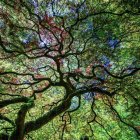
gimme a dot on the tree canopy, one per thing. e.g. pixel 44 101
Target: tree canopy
pixel 69 69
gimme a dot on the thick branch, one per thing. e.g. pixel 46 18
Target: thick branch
pixel 13 101
pixel 18 133
pixel 38 123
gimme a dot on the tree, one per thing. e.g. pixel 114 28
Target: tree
pixel 56 56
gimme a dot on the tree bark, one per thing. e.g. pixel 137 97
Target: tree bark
pixel 38 123
pixel 18 133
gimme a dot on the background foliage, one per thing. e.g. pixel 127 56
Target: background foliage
pixel 69 69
